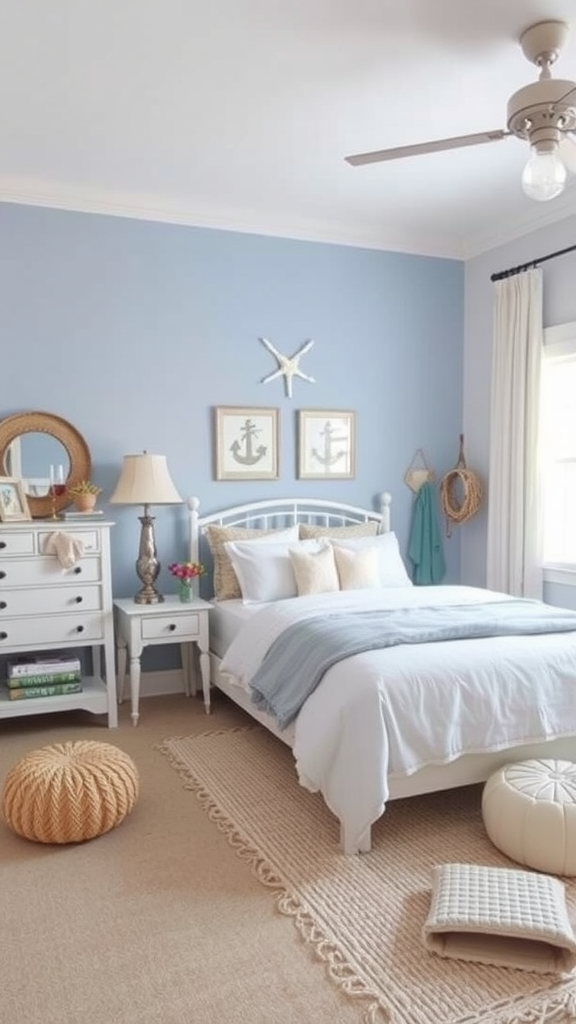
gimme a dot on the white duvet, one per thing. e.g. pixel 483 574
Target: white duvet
pixel 394 711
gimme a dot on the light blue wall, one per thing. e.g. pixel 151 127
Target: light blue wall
pixel 134 331
pixel 559 276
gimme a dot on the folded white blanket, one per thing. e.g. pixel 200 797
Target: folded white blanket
pixel 500 916
pixel 67 549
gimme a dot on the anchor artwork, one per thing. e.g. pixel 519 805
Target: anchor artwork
pixel 246 443
pixel 326 444
pixel 252 453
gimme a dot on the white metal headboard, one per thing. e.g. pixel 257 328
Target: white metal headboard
pixel 277 513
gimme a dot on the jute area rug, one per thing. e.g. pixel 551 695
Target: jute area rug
pixel 363 915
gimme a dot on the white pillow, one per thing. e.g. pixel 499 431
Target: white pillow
pixel 358 570
pixel 391 567
pixel 226 585
pixel 315 571
pixel 265 571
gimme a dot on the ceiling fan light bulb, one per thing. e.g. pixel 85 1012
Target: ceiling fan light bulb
pixel 544 175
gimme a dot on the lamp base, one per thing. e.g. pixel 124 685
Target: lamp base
pixel 148 595
pixel 147 564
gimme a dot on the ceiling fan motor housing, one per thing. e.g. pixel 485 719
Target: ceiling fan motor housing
pixel 539 112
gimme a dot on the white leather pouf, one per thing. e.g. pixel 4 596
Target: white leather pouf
pixel 529 812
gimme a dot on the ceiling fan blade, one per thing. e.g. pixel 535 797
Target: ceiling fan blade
pixel 459 141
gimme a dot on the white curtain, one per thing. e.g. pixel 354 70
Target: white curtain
pixel 514 552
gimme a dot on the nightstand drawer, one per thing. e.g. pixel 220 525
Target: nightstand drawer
pixel 171 626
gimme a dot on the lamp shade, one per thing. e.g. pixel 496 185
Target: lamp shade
pixel 145 480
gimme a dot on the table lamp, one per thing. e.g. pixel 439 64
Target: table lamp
pixel 145 480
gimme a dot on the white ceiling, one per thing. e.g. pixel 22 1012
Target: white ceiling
pixel 239 113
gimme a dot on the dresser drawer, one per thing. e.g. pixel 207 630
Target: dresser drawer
pixel 49 600
pixel 63 630
pixel 166 625
pixel 45 571
pixel 90 539
pixel 17 543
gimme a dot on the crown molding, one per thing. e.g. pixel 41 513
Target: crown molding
pixel 163 210
pixel 538 216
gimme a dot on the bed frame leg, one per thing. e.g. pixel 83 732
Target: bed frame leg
pixel 364 844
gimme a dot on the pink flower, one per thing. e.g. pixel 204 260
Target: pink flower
pixel 186 571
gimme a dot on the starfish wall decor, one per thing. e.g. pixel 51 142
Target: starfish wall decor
pixel 288 367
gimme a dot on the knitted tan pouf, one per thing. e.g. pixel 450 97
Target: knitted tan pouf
pixel 69 792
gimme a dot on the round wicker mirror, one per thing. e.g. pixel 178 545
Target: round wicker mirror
pixel 70 449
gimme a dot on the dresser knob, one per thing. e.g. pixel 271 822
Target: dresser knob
pixel 78 600
pixel 171 627
pixel 3 605
pixel 3 636
pixel 79 629
pixel 2 575
pixel 2 544
pixel 77 570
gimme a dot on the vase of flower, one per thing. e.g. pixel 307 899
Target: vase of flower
pixel 185 590
pixel 186 573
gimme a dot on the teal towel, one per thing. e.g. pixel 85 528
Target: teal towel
pixel 425 549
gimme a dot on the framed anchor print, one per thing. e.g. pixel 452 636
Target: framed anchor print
pixel 246 443
pixel 327 444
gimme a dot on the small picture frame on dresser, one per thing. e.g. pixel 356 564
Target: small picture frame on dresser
pixel 13 504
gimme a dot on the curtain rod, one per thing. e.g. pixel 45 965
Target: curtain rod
pixel 531 265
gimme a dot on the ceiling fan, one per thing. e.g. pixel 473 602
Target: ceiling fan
pixel 543 114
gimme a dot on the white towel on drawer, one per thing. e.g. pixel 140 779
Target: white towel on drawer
pixel 500 916
pixel 67 549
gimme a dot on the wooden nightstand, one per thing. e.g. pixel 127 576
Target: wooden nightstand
pixel 170 622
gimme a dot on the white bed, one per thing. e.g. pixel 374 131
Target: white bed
pixel 358 755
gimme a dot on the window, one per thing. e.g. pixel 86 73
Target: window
pixel 558 433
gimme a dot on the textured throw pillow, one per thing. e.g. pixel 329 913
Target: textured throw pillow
pixel 358 570
pixel 264 570
pixel 226 584
pixel 315 571
pixel 390 565
pixel 360 530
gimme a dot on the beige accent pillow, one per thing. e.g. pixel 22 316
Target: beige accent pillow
pixel 308 530
pixel 226 585
pixel 358 570
pixel 392 569
pixel 315 571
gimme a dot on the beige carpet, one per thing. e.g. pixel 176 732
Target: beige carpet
pixel 363 916
pixel 157 922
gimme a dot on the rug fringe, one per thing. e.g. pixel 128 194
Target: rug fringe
pixel 559 1008
pixel 339 970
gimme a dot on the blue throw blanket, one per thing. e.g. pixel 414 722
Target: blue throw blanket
pixel 296 661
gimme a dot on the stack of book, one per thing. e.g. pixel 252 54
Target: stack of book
pixel 43 677
pixel 77 517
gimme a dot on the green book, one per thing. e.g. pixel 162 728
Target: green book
pixel 43 679
pixel 55 690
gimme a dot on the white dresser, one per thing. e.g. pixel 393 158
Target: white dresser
pixel 45 607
